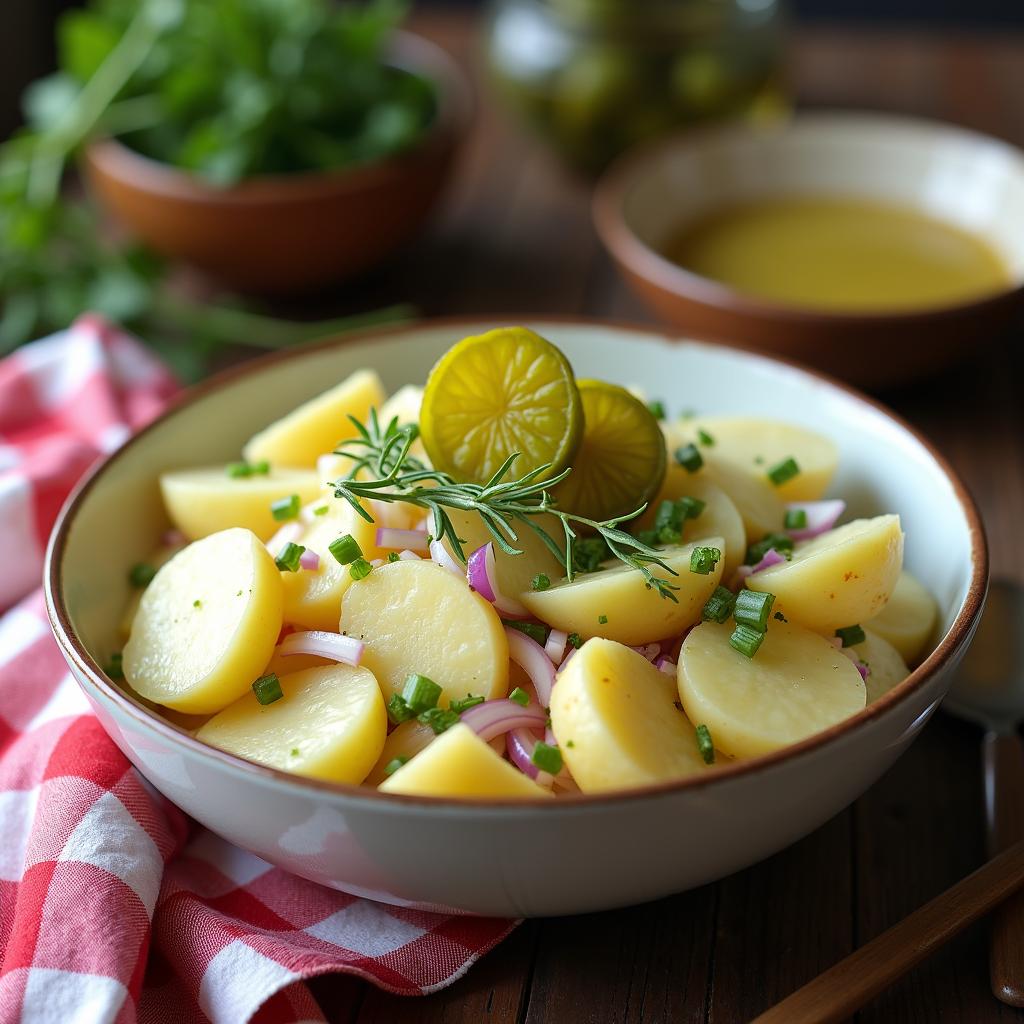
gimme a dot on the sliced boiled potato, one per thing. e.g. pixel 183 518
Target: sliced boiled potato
pixel 157 559
pixel 460 764
pixel 416 617
pixel 632 613
pixel 885 664
pixel 405 404
pixel 841 578
pixel 312 597
pixel 514 572
pixel 908 619
pixel 317 426
pixel 720 517
pixel 205 501
pixel 405 741
pixel 282 664
pixel 795 685
pixel 207 624
pixel 330 724
pixel 614 717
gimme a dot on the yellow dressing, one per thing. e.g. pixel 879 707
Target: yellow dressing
pixel 839 254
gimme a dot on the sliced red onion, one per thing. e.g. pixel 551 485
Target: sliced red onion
pixel 520 743
pixel 173 539
pixel 532 659
pixel 821 516
pixel 333 646
pixel 864 670
pixel 494 717
pixel 555 647
pixel 414 540
pixel 835 641
pixel 771 557
pixel 289 533
pixel 481 571
pixel 439 553
pixel 309 560
pixel 649 651
pixel 666 665
pixel 408 556
pixel 739 576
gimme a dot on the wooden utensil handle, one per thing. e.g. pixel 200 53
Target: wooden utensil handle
pixel 834 995
pixel 1003 758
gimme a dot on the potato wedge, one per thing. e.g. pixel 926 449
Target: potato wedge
pixel 205 501
pixel 317 426
pixel 418 617
pixel 207 624
pixel 843 577
pixel 618 594
pixel 330 724
pixel 886 666
pixel 460 764
pixel 406 741
pixel 908 619
pixel 796 685
pixel 405 404
pixel 614 717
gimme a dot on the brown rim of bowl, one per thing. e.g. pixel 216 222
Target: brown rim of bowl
pixel 619 238
pixel 411 53
pixel 73 649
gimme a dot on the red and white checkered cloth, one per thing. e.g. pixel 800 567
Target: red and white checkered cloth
pixel 113 906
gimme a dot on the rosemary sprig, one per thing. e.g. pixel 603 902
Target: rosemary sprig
pixel 384 470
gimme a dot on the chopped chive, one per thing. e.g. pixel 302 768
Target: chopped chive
pixel 321 510
pixel 652 538
pixel 668 514
pixel 398 710
pixel 288 558
pixel 540 582
pixel 753 608
pixel 569 743
pixel 705 744
pixel 467 702
pixel 197 603
pixel 574 640
pixel 534 630
pixel 393 556
pixel 546 757
pixel 394 764
pixel 439 719
pixel 267 689
pixel 780 617
pixel 602 620
pixel 420 693
pixel 703 560
pixel 796 518
pixel 705 438
pixel 295 751
pixel 719 605
pixel 261 468
pixel 783 471
pixel 588 553
pixel 141 574
pixel 746 640
pixel 285 508
pixel 115 667
pixel 237 470
pixel 657 409
pixel 345 549
pixel 689 458
pixel 520 696
pixel 692 508
pixel 668 535
pixel 779 541
pixel 851 635
pixel 360 569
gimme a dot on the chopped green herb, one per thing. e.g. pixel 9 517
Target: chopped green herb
pixel 795 519
pixel 114 667
pixel 705 438
pixel 394 764
pixel 345 549
pixel 439 719
pixel 719 605
pixel 746 640
pixel 547 758
pixel 238 469
pixel 141 574
pixel 758 460
pixel 393 556
pixel 569 743
pixel 467 702
pixel 197 603
pixel 288 558
pixel 779 541
pixel 575 640
pixel 649 537
pixel 260 468
pixel 780 617
pixel 703 560
pixel 321 510
pixel 360 569
pixel 520 696
pixel 705 744
pixel 689 458
pixel 295 751
pixel 602 620
pixel 753 608
pixel 540 582
pixel 657 409
pixel 783 471
pixel 851 635
pixel 398 710
pixel 534 630
pixel 588 554
pixel 268 688
pixel 420 693
pixel 285 508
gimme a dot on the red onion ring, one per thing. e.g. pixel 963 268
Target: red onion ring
pixel 531 658
pixel 494 717
pixel 649 651
pixel 440 556
pixel 821 517
pixel 568 657
pixel 333 646
pixel 555 647
pixel 309 560
pixel 482 574
pixel 413 540
pixel 771 557
pixel 666 665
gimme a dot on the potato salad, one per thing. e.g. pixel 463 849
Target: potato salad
pixel 511 583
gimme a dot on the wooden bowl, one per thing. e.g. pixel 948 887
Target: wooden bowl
pixel 297 232
pixel 967 179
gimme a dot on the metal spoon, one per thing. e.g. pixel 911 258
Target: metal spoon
pixel 989 691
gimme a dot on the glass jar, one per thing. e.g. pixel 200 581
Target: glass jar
pixel 595 77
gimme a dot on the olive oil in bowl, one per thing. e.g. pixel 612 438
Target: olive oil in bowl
pixel 840 255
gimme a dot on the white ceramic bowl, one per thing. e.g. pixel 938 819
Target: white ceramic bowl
pixel 575 854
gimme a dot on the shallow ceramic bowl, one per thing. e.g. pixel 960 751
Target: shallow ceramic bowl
pixel 958 176
pixel 579 853
pixel 295 232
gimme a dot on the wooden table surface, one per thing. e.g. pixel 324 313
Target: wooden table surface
pixel 515 237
